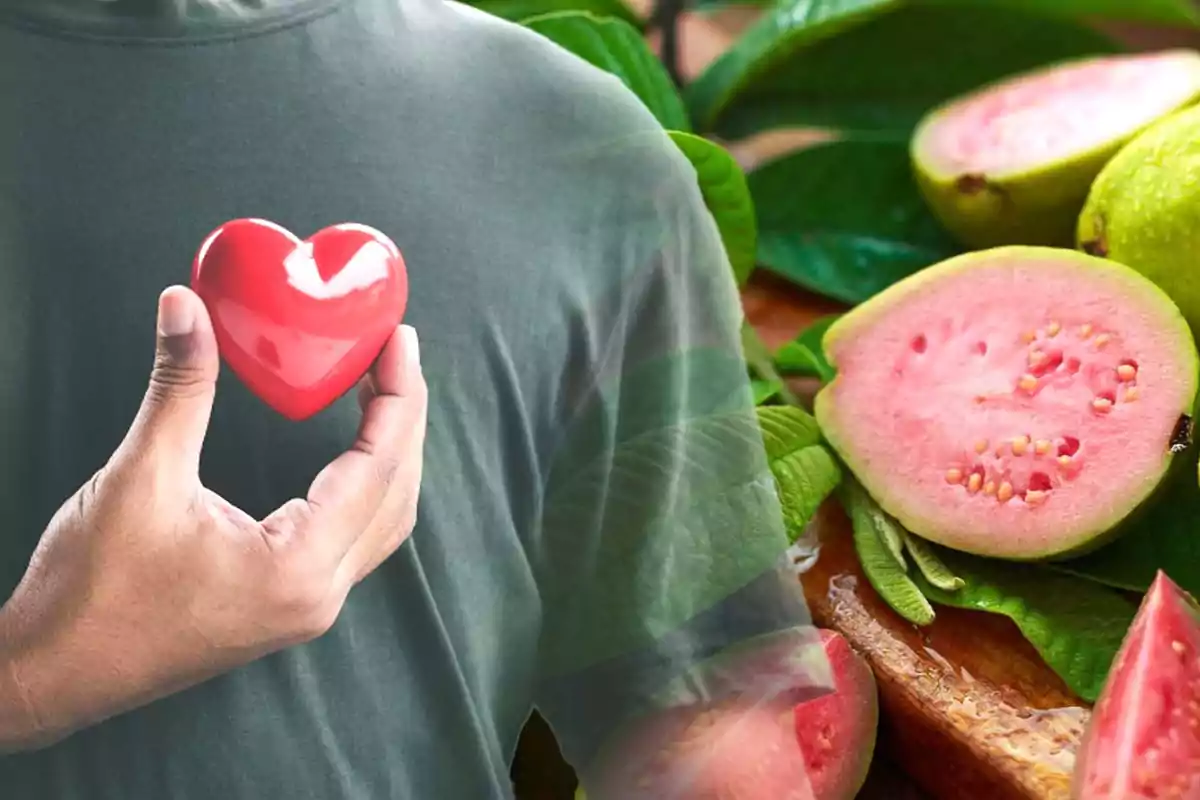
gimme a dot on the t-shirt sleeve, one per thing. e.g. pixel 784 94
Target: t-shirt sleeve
pixel 662 541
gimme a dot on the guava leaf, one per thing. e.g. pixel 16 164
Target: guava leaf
pixel 617 47
pixel 1075 625
pixel 872 528
pixel 844 219
pixel 932 567
pixel 881 72
pixel 1164 12
pixel 673 501
pixel 1165 535
pixel 518 10
pixel 727 196
pixel 758 359
pixel 764 390
pixel 804 469
pixel 804 355
pixel 795 358
pixel 785 30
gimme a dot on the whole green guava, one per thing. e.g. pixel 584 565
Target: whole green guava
pixel 1143 209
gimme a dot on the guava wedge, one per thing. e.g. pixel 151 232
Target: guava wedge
pixel 1011 162
pixel 811 748
pixel 1018 402
pixel 1144 209
pixel 1143 740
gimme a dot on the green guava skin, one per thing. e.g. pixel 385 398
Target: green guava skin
pixel 876 483
pixel 1037 206
pixel 1143 210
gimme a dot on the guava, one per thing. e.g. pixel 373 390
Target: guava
pixel 1018 402
pixel 1144 209
pixel 1143 739
pixel 800 745
pixel 1011 162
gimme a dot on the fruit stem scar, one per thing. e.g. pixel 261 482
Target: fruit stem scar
pixel 971 183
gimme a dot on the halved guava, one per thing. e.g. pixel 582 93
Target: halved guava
pixel 1011 163
pixel 792 747
pixel 1017 402
pixel 1143 740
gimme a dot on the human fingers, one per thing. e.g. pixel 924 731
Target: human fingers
pixel 174 415
pixel 347 495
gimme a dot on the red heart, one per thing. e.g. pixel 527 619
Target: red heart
pixel 300 322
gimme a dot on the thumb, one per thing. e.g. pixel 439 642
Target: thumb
pixel 178 402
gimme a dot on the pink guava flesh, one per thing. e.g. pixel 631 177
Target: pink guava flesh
pixel 816 749
pixel 1143 741
pixel 836 732
pixel 1016 402
pixel 1054 113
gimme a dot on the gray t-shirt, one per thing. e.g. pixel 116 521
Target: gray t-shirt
pixel 596 512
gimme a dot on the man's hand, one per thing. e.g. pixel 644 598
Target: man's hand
pixel 145 582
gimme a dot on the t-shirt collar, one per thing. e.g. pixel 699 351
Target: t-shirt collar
pixel 171 19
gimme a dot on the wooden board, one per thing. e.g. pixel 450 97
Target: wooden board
pixel 969 708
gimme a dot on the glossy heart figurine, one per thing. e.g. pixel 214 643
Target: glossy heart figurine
pixel 300 322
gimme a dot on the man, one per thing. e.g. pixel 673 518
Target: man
pixel 231 606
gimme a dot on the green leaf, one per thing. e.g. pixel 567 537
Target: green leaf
pixel 872 529
pixel 519 10
pixel 804 469
pixel 1076 626
pixel 932 567
pixel 673 498
pixel 804 355
pixel 774 38
pixel 758 358
pixel 764 390
pixel 797 359
pixel 878 76
pixel 1164 535
pixel 844 219
pixel 617 47
pixel 1163 12
pixel 727 196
